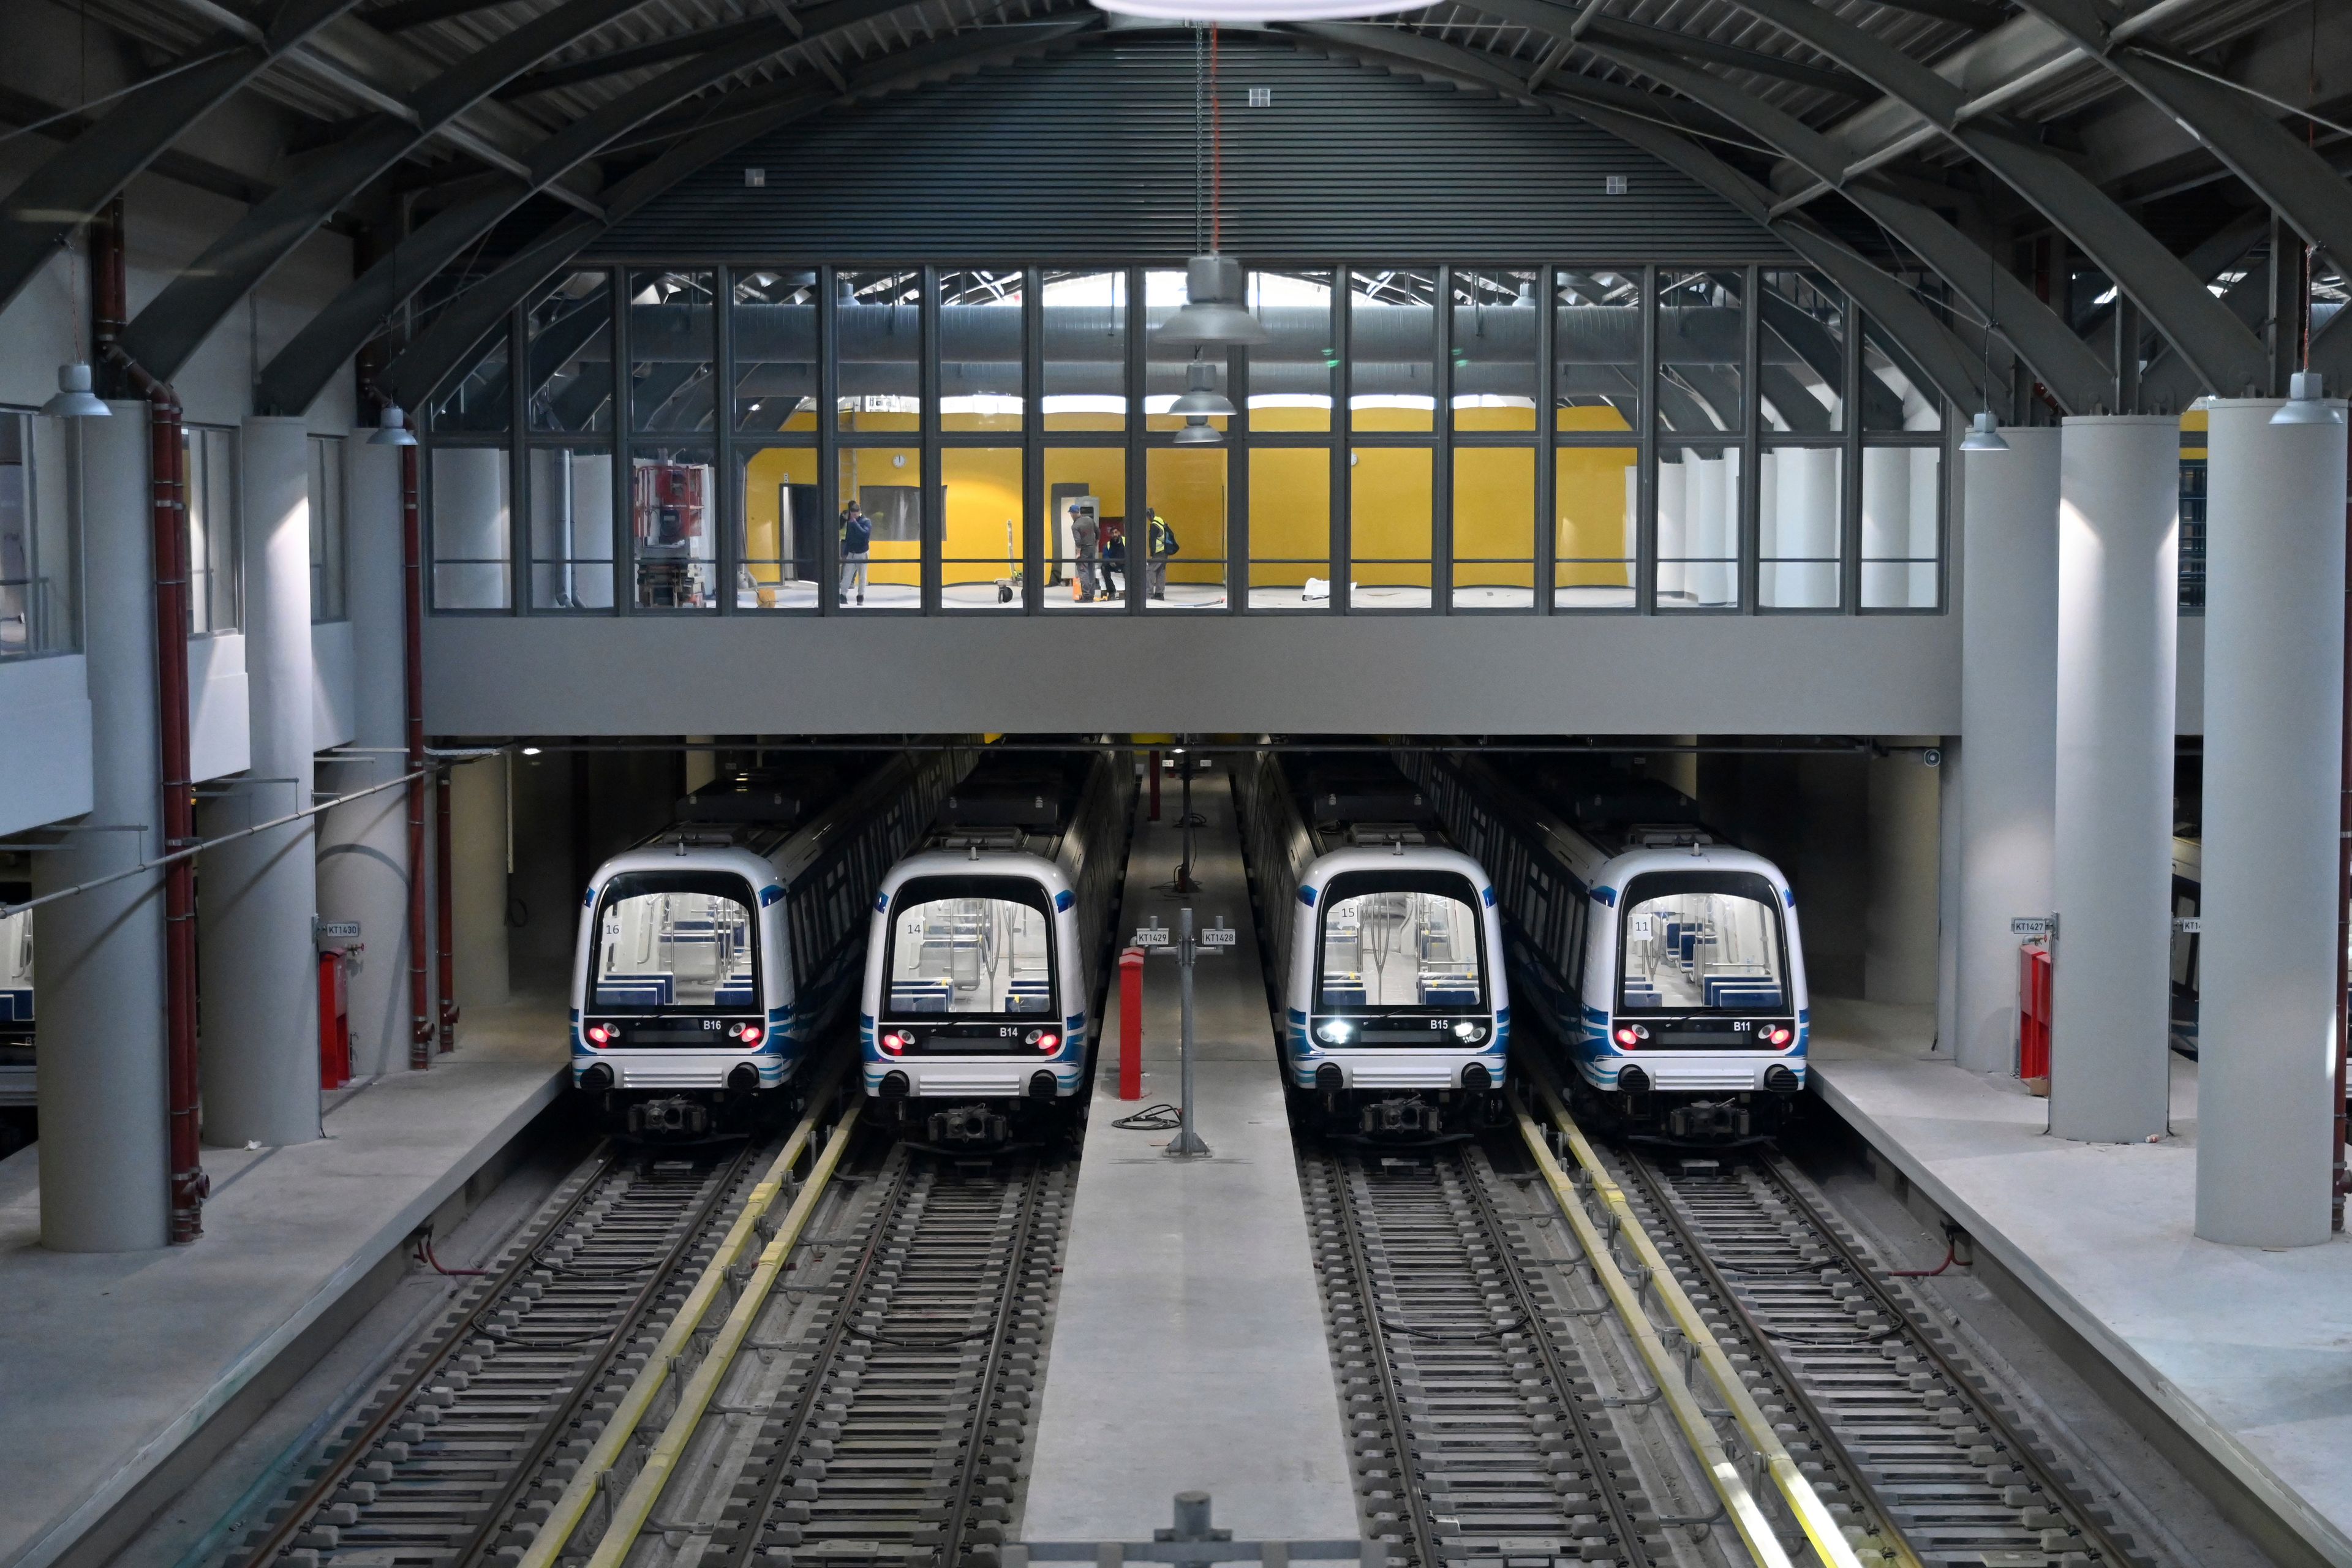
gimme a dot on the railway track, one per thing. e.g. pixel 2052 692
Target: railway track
pixel 1860 1368
pixel 491 1404
pixel 1494 1408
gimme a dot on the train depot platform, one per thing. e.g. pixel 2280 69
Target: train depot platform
pixel 1188 1351
pixel 123 1374
pixel 2238 1355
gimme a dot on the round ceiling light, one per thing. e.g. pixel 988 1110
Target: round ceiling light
pixel 1259 10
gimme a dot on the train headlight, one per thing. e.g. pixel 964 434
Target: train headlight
pixel 753 1033
pixel 1778 1037
pixel 598 1035
pixel 1469 1033
pixel 1334 1032
pixel 893 1043
pixel 1631 1036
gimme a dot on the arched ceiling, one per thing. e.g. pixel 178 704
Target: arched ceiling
pixel 1884 140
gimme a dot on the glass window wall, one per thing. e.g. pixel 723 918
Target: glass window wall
pixel 1701 429
pixel 38 541
pixel 215 562
pixel 327 529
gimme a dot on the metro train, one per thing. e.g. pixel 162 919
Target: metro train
pixel 989 953
pixel 2188 899
pixel 1667 960
pixel 1382 949
pixel 15 970
pixel 714 956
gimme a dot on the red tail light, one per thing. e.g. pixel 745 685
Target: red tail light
pixel 892 1044
pixel 598 1035
pixel 753 1033
pixel 1628 1038
pixel 1780 1038
pixel 1049 1042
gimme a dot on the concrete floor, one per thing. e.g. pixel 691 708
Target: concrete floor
pixel 2245 1350
pixel 1189 1348
pixel 109 1363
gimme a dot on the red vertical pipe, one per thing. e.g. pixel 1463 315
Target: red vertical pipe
pixel 443 916
pixel 411 609
pixel 168 526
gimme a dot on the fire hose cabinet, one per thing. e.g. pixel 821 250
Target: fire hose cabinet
pixel 2033 1010
pixel 666 510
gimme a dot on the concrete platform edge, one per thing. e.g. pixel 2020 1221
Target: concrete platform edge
pixel 2246 1490
pixel 63 1543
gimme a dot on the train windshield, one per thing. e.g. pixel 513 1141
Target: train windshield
pixel 971 947
pixel 1402 940
pixel 676 940
pixel 1702 940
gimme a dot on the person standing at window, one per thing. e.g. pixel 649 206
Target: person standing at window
pixel 1159 544
pixel 857 545
pixel 1086 533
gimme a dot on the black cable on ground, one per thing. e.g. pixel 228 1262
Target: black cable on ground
pixel 1160 1118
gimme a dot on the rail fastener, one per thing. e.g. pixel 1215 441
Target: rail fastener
pixel 1822 1530
pixel 581 1490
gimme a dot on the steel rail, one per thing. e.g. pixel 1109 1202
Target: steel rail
pixel 1819 1527
pixel 1790 1381
pixel 636 1505
pixel 1747 1514
pixel 565 1514
pixel 2024 1453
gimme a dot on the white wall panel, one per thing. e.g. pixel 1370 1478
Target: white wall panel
pixel 45 755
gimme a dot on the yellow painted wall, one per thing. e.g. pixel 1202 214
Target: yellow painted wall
pixel 1290 499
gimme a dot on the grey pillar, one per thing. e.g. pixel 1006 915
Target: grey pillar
pixel 479 847
pixel 2273 737
pixel 363 847
pixel 1899 962
pixel 258 894
pixel 2009 728
pixel 100 1074
pixel 2119 605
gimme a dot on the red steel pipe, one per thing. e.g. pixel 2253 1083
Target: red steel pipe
pixel 420 1039
pixel 444 917
pixel 168 526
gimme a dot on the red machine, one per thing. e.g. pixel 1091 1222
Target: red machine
pixel 667 512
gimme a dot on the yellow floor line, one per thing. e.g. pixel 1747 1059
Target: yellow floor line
pixel 636 1505
pixel 572 1505
pixel 1747 1516
pixel 1824 1531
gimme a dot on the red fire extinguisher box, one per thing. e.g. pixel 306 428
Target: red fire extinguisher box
pixel 2033 975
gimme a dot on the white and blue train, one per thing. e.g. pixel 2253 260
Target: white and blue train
pixel 713 957
pixel 988 952
pixel 1382 949
pixel 1666 961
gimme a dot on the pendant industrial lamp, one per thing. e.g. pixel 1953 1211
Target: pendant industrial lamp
pixel 74 399
pixel 1201 394
pixel 1215 313
pixel 392 429
pixel 1983 435
pixel 2306 389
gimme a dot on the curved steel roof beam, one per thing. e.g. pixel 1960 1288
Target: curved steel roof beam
pixel 82 176
pixel 2227 357
pixel 294 378
pixel 2075 373
pixel 167 332
pixel 2283 172
pixel 422 367
pixel 1942 360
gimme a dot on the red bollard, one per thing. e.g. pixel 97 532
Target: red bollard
pixel 334 1022
pixel 1130 1023
pixel 1152 773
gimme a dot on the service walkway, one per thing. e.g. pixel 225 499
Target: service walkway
pixel 1189 1350
pixel 2244 1350
pixel 110 1362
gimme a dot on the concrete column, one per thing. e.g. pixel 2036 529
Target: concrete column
pixel 1898 958
pixel 1886 526
pixel 2118 595
pixel 2273 737
pixel 363 847
pixel 477 874
pixel 470 527
pixel 1710 579
pixel 100 1073
pixel 258 894
pixel 2009 728
pixel 1768 526
pixel 1673 531
pixel 1806 486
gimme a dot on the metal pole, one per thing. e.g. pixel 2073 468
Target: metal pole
pixel 1188 1137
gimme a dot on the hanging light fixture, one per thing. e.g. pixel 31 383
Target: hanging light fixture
pixel 2307 403
pixel 74 399
pixel 393 430
pixel 1983 435
pixel 1216 313
pixel 1198 432
pixel 1200 394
